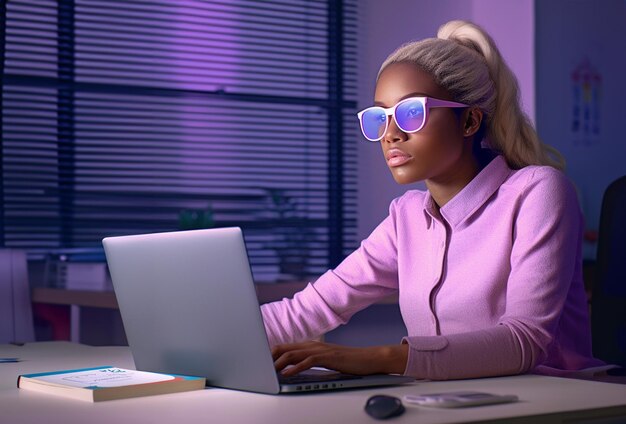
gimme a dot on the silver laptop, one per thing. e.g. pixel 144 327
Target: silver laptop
pixel 189 306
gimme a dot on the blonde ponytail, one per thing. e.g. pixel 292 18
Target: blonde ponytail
pixel 465 60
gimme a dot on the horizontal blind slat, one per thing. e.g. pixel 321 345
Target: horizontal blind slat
pixel 134 162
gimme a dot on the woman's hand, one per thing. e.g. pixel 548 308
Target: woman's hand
pixel 350 360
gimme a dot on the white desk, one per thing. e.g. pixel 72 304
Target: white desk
pixel 543 399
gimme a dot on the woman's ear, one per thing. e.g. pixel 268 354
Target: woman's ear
pixel 473 117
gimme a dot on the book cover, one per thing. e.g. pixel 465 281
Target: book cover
pixel 107 383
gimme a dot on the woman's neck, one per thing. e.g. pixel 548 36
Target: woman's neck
pixel 443 188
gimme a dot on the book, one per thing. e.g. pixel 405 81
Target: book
pixel 107 383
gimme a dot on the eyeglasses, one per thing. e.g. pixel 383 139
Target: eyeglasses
pixel 410 116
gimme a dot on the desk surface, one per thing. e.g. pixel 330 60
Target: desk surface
pixel 106 299
pixel 542 399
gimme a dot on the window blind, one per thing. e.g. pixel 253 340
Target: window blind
pixel 125 117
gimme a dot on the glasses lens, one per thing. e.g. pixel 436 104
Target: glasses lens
pixel 410 115
pixel 373 122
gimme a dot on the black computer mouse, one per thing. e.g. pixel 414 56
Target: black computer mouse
pixel 383 406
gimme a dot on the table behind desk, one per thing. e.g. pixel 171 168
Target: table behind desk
pixel 542 399
pixel 78 299
pixel 106 300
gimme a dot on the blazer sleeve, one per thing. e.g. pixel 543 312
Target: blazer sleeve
pixel 546 241
pixel 367 275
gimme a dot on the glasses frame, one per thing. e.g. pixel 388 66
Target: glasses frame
pixel 427 103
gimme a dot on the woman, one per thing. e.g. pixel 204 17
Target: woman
pixel 486 262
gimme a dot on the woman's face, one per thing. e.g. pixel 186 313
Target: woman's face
pixel 432 152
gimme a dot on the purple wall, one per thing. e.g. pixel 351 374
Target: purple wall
pixel 581 64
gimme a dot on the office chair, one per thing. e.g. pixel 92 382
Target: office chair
pixel 608 302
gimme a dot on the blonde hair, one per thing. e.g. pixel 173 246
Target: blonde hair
pixel 464 60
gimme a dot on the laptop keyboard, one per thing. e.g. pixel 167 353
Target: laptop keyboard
pixel 316 377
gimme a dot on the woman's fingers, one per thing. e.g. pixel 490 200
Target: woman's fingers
pixel 302 356
pixel 279 350
pixel 303 365
pixel 301 359
pixel 291 357
pixel 351 360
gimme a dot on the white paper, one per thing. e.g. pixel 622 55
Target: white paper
pixel 105 377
